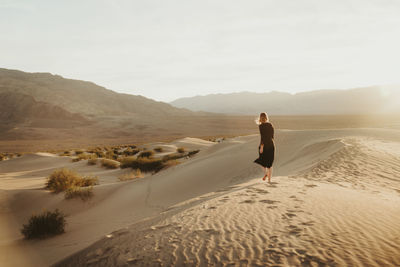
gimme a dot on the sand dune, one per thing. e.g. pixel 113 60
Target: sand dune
pixel 334 201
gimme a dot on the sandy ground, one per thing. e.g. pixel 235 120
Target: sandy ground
pixel 334 201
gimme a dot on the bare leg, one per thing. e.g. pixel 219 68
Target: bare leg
pixel 265 173
pixel 269 174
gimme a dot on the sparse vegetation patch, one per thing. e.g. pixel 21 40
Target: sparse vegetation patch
pixel 45 224
pixel 110 164
pixel 83 193
pixel 146 154
pixel 62 179
pixel 131 175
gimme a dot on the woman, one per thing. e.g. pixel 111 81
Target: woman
pixel 267 146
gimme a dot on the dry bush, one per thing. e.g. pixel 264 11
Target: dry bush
pixel 131 175
pixel 193 152
pixel 43 225
pixel 111 155
pixel 158 149
pixel 2 157
pixel 130 151
pixel 83 193
pixel 78 152
pixel 143 164
pixel 84 156
pixel 146 154
pixel 92 161
pixel 110 164
pixel 63 179
pixel 180 150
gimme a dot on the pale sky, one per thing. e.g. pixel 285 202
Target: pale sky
pixel 170 49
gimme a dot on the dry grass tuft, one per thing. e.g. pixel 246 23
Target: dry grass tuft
pixel 84 193
pixel 131 175
pixel 110 164
pixel 62 179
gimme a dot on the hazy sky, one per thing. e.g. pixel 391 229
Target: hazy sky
pixel 169 49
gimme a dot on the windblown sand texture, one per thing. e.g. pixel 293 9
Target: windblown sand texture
pixel 334 201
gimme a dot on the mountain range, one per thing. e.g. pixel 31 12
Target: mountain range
pixel 369 100
pixel 49 108
pixel 45 111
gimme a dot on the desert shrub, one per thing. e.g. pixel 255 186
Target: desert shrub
pixel 92 161
pixel 111 155
pixel 158 149
pixel 131 175
pixel 43 225
pixel 130 152
pixel 193 152
pixel 62 179
pixel 143 164
pixel 100 154
pixel 84 156
pixel 180 150
pixel 67 153
pixel 78 152
pixel 88 181
pixel 172 157
pixel 2 157
pixel 110 164
pixel 146 154
pixel 83 193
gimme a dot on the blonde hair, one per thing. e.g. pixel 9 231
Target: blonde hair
pixel 263 118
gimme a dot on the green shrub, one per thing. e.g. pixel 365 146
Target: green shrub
pixel 110 164
pixel 131 175
pixel 43 225
pixel 83 193
pixel 62 179
pixel 158 149
pixel 146 154
pixel 180 150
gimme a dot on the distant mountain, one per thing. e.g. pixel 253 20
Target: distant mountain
pixel 85 98
pixel 19 108
pixel 39 110
pixel 323 102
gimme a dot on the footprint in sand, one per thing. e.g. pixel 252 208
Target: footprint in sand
pixel 309 223
pixel 311 185
pixel 288 215
pixel 294 230
pixel 248 201
pixel 267 201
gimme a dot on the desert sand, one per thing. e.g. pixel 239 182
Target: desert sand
pixel 334 200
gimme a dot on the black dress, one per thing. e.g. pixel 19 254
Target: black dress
pixel 266 159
